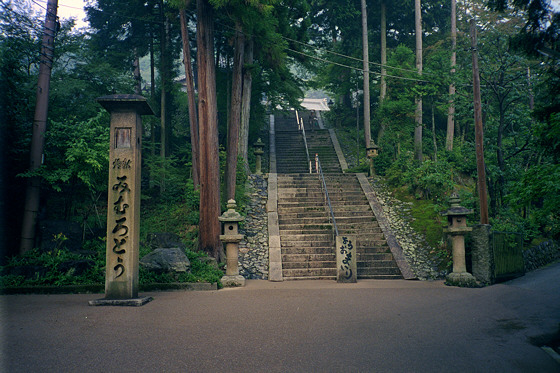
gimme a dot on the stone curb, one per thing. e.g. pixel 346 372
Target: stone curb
pixel 338 150
pixel 274 250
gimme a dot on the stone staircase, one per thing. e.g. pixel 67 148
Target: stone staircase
pixel 306 233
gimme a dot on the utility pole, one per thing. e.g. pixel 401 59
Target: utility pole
pixel 478 131
pixel 451 110
pixel 367 126
pixel 32 197
pixel 418 111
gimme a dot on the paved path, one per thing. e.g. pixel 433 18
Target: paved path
pixel 300 326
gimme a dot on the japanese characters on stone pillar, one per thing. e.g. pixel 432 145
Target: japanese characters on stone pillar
pixel 346 261
pixel 123 212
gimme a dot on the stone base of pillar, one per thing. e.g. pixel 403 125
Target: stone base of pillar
pixel 462 279
pixel 233 281
pixel 133 302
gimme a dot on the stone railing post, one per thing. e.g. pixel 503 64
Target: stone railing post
pixel 231 238
pixel 123 212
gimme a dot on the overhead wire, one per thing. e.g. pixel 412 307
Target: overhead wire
pixel 324 50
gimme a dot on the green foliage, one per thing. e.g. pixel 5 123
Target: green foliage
pixel 201 271
pixel 48 264
pixel 76 151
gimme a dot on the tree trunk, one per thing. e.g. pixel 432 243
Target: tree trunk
pixel 451 109
pixel 500 151
pixel 209 225
pixel 418 111
pixel 246 104
pixel 33 191
pixel 365 50
pixel 152 70
pixel 383 87
pixel 235 112
pixel 137 76
pixel 163 77
pixel 434 139
pixel 479 136
pixel 531 94
pixel 193 117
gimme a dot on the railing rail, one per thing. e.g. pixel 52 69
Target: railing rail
pixel 319 171
pixel 302 129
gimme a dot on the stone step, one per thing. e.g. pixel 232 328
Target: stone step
pixel 320 237
pixel 303 244
pixel 376 264
pixel 379 277
pixel 299 215
pixel 374 257
pixel 288 258
pixel 309 264
pixel 349 200
pixel 383 271
pixel 304 231
pixel 324 273
pixel 380 249
pixel 351 227
pixel 289 250
pixel 295 278
pixel 370 244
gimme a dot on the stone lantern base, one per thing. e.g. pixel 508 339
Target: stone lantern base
pixel 462 279
pixel 233 280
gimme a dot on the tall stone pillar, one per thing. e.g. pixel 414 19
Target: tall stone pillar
pixel 123 211
pixel 482 254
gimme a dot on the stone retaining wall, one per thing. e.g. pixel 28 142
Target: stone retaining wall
pixel 541 255
pixel 414 245
pixel 253 249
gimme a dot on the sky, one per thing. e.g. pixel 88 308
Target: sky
pixel 75 9
pixel 66 9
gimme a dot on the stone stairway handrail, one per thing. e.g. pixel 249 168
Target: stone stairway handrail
pixel 302 128
pixel 319 171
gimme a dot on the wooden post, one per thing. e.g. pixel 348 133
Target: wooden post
pixel 479 136
pixel 367 125
pixel 32 196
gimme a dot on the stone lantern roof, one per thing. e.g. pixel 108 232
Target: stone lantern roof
pixel 456 209
pixel 231 215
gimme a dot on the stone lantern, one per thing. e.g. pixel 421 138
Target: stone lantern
pixel 231 238
pixel 259 146
pixel 457 228
pixel 372 152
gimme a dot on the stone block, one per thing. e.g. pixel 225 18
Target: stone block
pixel 482 255
pixel 166 260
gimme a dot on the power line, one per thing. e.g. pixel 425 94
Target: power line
pixel 355 68
pixel 350 57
